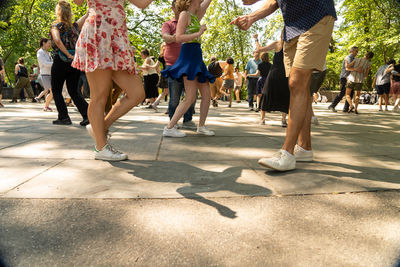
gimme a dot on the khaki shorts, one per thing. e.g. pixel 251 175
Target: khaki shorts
pixel 308 51
pixel 354 86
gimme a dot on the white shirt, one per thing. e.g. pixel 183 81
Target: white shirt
pixel 238 78
pixel 357 77
pixel 148 71
pixel 45 62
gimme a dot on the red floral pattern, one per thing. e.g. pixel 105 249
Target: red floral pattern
pixel 103 42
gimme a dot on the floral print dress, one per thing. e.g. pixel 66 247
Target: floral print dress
pixel 103 42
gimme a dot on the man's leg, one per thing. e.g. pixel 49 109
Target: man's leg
pixel 342 93
pixel 299 84
pixel 174 96
pixel 304 140
pixel 17 90
pixel 250 92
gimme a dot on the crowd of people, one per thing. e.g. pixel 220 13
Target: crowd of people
pixel 94 52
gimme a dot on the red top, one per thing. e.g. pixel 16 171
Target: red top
pixel 171 50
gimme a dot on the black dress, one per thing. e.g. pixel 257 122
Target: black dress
pixel 275 95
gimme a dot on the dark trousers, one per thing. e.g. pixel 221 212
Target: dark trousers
pixel 342 93
pixel 84 82
pixel 36 87
pixel 60 72
pixel 251 89
pixel 23 83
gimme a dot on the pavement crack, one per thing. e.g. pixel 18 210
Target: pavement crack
pixel 159 148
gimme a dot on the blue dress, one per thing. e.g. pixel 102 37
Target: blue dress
pixel 190 61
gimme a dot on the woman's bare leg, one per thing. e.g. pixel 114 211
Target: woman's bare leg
pixel 132 87
pixel 204 89
pixel 356 99
pixel 100 84
pixel 348 98
pixel 190 91
pixel 237 93
pixel 49 97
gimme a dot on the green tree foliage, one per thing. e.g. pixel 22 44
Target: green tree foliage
pixel 223 40
pixel 372 25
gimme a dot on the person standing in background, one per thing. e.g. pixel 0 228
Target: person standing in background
pixel 251 68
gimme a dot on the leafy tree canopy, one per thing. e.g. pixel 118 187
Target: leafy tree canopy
pixel 372 25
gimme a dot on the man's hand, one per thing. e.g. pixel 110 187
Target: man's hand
pixel 255 36
pixel 243 22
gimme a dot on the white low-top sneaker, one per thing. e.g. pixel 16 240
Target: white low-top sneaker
pixel 173 132
pixel 303 155
pixel 280 161
pixel 109 153
pixel 204 131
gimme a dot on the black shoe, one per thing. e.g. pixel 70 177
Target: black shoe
pixel 66 121
pixel 23 100
pixel 84 122
pixel 34 100
pixel 13 101
pixel 251 109
pixel 166 112
pixel 257 110
pixel 332 109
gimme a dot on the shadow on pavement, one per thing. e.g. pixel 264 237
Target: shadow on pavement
pixel 199 180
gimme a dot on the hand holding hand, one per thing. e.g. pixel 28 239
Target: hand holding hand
pixel 243 22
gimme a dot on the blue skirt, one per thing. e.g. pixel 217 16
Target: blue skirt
pixel 190 64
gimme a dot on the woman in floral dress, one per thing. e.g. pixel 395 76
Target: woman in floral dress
pixel 103 51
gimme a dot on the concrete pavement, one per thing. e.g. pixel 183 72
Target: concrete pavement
pixel 199 201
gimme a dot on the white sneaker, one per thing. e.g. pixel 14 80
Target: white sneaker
pixel 189 125
pixel 314 120
pixel 154 107
pixel 89 129
pixel 173 132
pixel 203 130
pixel 109 153
pixel 281 161
pixel 303 155
pixel 395 109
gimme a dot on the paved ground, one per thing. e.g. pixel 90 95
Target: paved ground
pixel 199 201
